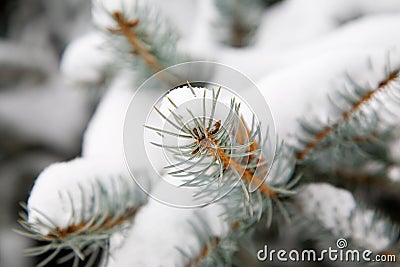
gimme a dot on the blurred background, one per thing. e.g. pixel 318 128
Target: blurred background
pixel 42 118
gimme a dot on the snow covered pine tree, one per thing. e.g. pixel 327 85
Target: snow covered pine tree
pixel 335 176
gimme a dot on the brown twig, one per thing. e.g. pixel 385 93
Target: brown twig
pixel 211 145
pixel 214 242
pixel 126 28
pixel 204 252
pixel 247 174
pixel 347 114
pixel 83 228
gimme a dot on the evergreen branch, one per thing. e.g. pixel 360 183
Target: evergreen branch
pixel 216 250
pixel 230 153
pixel 365 97
pixel 219 250
pixel 126 27
pixel 89 230
pixel 231 146
pixel 214 242
pixel 142 31
pixel 359 139
pixel 272 193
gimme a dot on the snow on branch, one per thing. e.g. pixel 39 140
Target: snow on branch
pixel 218 250
pixel 89 202
pixel 342 217
pixel 216 152
pixel 139 33
pixel 357 100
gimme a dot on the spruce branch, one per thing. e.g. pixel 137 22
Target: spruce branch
pixel 102 213
pixel 216 250
pixel 282 180
pixel 224 152
pixel 215 241
pixel 360 137
pixel 127 28
pixel 143 37
pixel 359 140
pixel 218 150
pixel 357 99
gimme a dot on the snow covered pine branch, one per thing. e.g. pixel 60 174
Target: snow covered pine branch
pixel 84 205
pixel 89 202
